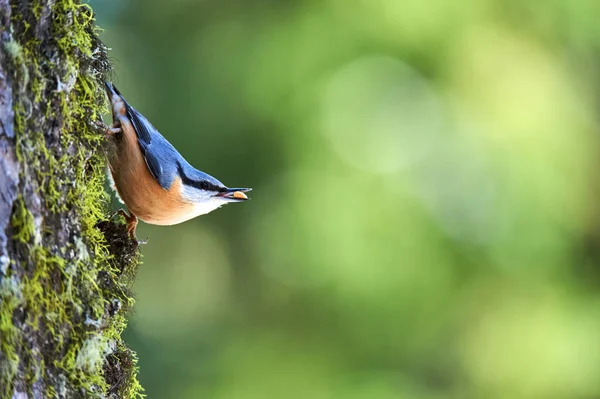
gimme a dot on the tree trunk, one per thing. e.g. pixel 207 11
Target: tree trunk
pixel 65 269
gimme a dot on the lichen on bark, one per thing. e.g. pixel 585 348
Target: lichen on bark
pixel 65 267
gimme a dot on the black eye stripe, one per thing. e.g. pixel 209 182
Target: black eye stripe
pixel 201 185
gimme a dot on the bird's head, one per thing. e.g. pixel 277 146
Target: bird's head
pixel 206 192
pixel 210 194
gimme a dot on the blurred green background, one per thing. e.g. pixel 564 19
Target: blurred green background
pixel 425 216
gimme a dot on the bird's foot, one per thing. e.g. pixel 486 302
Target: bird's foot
pixel 108 130
pixel 112 130
pixel 132 222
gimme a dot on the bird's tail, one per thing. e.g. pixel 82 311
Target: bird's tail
pixel 116 99
pixel 111 89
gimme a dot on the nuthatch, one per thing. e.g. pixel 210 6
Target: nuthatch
pixel 150 176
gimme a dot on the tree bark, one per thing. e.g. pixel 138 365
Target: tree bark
pixel 65 268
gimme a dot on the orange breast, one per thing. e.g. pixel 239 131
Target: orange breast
pixel 138 189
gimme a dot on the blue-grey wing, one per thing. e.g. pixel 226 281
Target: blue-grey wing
pixel 160 155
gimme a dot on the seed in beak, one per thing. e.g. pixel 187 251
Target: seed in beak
pixel 239 195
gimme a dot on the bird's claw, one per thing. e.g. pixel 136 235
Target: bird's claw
pixel 132 222
pixel 112 130
pixel 107 130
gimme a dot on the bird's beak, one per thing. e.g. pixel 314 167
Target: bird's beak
pixel 235 194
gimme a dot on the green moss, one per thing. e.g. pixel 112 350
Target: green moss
pixel 74 292
pixel 22 221
pixel 13 49
pixel 10 298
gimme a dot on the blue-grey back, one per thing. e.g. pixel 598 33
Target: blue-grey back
pixel 163 160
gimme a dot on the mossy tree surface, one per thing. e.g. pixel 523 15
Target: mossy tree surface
pixel 65 269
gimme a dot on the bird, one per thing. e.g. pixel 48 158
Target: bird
pixel 152 179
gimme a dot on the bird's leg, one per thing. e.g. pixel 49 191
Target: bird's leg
pixel 108 131
pixel 132 222
pixel 114 129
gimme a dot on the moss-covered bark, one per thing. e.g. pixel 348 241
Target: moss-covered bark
pixel 65 268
